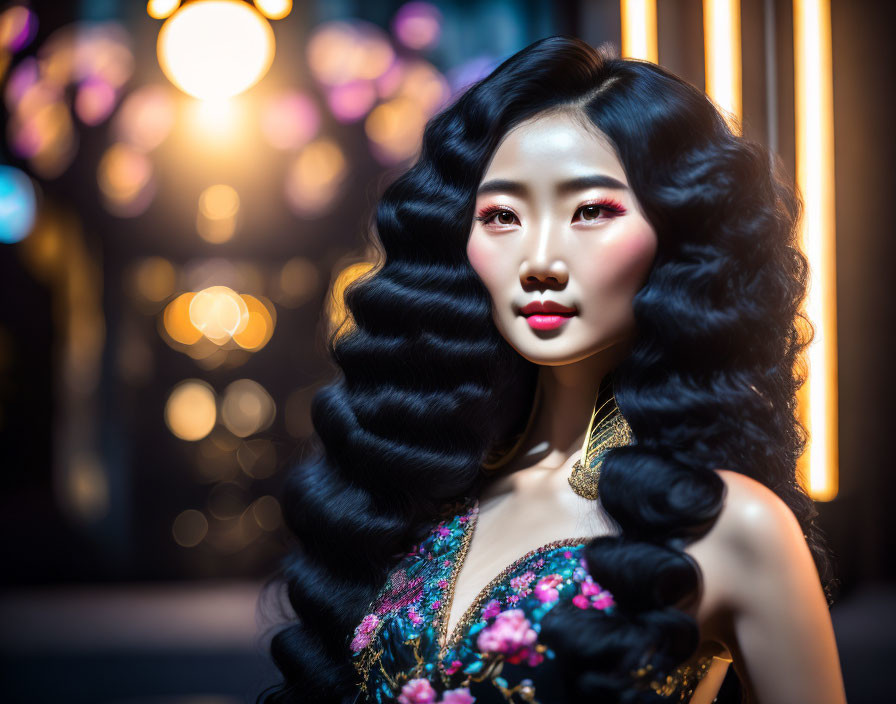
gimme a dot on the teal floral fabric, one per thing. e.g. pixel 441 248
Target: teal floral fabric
pixel 494 654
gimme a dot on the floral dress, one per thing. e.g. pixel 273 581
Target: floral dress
pixel 402 652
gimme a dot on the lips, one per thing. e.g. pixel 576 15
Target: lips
pixel 550 307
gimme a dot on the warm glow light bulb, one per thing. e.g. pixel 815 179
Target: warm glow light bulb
pixel 215 48
pixel 274 9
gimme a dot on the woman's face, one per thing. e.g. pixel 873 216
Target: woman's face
pixel 557 225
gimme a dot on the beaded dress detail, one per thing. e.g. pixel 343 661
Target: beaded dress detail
pixel 402 652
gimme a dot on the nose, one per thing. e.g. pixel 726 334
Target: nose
pixel 540 267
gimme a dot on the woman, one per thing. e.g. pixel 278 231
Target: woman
pixel 572 376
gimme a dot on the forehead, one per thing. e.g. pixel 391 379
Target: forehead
pixel 552 147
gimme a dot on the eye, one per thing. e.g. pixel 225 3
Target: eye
pixel 591 211
pixel 494 213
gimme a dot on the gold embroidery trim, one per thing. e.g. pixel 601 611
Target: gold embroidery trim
pixel 467 617
pixel 684 678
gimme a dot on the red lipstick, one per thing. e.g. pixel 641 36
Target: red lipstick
pixel 546 315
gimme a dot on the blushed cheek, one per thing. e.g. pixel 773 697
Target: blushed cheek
pixel 630 258
pixel 481 258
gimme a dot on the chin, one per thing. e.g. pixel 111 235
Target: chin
pixel 539 354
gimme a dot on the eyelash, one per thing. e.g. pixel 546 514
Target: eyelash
pixel 487 213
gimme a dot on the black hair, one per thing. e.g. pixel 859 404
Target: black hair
pixel 710 382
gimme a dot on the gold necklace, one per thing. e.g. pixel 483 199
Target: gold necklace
pixel 612 431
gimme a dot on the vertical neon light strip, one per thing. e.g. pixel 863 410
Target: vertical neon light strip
pixel 721 45
pixel 815 178
pixel 639 29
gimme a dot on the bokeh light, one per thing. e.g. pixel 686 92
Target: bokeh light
pixel 350 101
pixel 93 57
pixel 257 458
pixel 315 176
pixel 218 312
pixel 247 408
pixel 145 117
pixel 298 282
pixel 189 528
pixel 289 120
pixel 267 512
pixel 413 91
pixel 394 129
pixel 259 326
pixel 217 213
pixel 18 204
pixel 176 320
pixel 126 180
pixel 41 131
pixel 94 101
pixel 215 48
pixel 87 490
pixel 417 25
pixel 339 52
pixel 191 410
pixel 154 279
pixel 23 75
pixel 424 84
pixel 18 26
pixel 274 9
pixel 160 9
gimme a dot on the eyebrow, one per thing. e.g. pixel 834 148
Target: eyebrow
pixel 580 183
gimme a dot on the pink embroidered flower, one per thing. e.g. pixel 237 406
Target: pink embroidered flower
pixel 546 589
pixel 461 695
pixel 416 619
pixel 513 598
pixel 364 631
pixel 593 596
pixel 581 601
pixel 590 588
pixel 463 519
pixel 520 584
pixel 445 563
pixel 539 563
pixel 492 608
pixel 511 635
pixel 436 605
pixel 453 667
pixel 567 554
pixel 443 583
pixel 602 601
pixel 444 532
pixel 417 691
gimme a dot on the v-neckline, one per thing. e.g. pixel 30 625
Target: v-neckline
pixel 447 640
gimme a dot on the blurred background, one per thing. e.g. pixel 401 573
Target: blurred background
pixel 184 189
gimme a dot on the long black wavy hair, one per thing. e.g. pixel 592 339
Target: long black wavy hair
pixel 710 381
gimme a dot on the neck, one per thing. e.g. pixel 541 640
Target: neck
pixel 568 394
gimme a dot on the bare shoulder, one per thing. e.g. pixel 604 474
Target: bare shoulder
pixel 755 526
pixel 754 537
pixel 776 623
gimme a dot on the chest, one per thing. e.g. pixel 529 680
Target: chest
pixel 405 643
pixel 505 534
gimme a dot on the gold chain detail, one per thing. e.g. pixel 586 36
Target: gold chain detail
pixel 612 431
